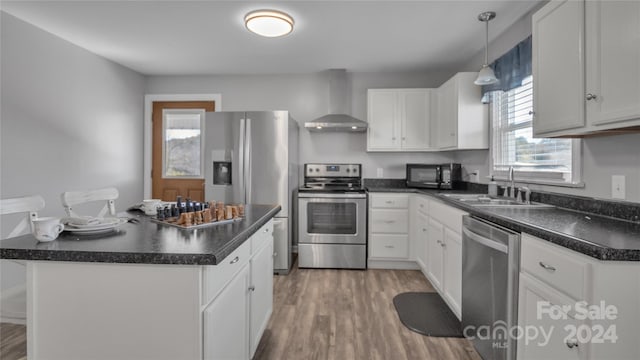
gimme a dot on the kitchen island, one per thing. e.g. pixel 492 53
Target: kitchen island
pixel 150 291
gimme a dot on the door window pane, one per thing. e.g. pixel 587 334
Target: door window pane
pixel 182 143
pixel 331 218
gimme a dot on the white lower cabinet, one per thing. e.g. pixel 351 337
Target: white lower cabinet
pixel 435 251
pixel 554 338
pixel 388 229
pixel 453 268
pixel 226 321
pixel 261 296
pixel 236 318
pixel 567 284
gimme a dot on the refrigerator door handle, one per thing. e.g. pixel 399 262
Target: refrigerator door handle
pixel 247 162
pixel 241 155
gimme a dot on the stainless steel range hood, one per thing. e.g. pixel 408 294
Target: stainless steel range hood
pixel 338 118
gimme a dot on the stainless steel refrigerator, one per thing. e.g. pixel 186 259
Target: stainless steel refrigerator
pixel 252 158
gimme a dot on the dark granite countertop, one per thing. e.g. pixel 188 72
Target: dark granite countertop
pixel 600 237
pixel 145 242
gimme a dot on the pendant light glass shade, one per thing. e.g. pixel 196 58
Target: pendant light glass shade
pixel 486 76
pixel 269 23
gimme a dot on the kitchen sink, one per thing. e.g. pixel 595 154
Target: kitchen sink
pixel 483 200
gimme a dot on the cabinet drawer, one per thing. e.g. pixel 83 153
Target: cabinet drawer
pixel 447 215
pixel 215 277
pixel 389 221
pixel 389 246
pixel 554 266
pixel 261 237
pixel 389 201
pixel 422 204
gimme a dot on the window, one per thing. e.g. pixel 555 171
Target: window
pixel 513 144
pixel 182 143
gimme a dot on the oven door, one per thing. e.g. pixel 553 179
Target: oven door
pixel 327 218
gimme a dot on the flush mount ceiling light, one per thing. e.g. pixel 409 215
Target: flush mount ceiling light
pixel 486 76
pixel 269 23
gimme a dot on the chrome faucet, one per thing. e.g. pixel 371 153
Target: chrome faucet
pixel 527 194
pixel 512 188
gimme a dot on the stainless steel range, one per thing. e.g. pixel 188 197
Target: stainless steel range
pixel 332 227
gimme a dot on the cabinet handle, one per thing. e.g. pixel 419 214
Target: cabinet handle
pixel 388 202
pixel 453 134
pixel 235 260
pixel 275 254
pixel 252 288
pixel 266 230
pixel 404 138
pixel 439 242
pixel 572 343
pixel 532 112
pixel 423 229
pixel 421 205
pixel 389 221
pixel 591 96
pixel 443 244
pixel 547 267
pixel 393 138
pixel 389 246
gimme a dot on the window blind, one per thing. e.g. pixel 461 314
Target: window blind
pixel 513 141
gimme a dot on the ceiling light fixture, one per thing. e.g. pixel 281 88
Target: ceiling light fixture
pixel 269 23
pixel 486 76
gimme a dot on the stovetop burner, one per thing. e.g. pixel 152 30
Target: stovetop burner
pixel 332 178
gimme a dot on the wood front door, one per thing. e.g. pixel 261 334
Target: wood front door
pixel 177 161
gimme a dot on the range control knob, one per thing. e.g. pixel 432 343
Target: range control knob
pixel 348 170
pixel 355 170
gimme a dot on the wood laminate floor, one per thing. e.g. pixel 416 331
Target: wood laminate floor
pixel 349 314
pixel 328 314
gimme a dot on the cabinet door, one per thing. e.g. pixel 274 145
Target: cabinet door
pixel 421 231
pixel 533 293
pixel 384 126
pixel 415 110
pixel 447 123
pixel 434 251
pixel 226 323
pixel 453 269
pixel 261 296
pixel 613 61
pixel 558 67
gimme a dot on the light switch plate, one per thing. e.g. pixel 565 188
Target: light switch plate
pixel 379 173
pixel 618 187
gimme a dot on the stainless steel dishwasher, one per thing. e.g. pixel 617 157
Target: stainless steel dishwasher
pixel 490 267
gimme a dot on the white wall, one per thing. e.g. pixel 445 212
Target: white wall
pixel 70 120
pixel 602 156
pixel 306 97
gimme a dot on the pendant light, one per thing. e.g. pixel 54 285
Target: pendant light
pixel 486 76
pixel 269 23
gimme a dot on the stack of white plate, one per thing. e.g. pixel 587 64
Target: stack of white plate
pixel 102 225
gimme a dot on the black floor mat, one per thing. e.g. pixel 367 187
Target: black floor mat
pixel 427 314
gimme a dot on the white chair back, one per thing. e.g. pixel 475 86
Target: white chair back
pixel 30 205
pixel 73 198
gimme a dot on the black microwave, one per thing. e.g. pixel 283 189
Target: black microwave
pixel 434 176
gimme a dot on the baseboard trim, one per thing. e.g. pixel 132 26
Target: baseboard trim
pixel 393 264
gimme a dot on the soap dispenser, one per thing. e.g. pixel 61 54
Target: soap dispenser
pixel 493 187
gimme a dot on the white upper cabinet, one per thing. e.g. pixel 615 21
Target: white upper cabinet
pixel 586 67
pixel 462 120
pixel 399 119
pixel 558 67
pixel 613 60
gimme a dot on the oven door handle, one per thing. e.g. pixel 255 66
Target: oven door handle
pixel 332 196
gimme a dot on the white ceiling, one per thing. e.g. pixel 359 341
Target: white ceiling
pixel 209 37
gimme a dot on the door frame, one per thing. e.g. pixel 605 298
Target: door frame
pixel 148 127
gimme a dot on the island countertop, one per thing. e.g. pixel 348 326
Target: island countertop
pixel 145 242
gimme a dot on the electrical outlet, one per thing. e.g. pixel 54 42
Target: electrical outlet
pixel 379 173
pixel 475 176
pixel 618 186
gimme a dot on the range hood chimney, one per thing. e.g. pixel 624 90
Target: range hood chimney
pixel 338 118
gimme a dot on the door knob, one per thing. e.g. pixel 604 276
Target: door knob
pixel 591 96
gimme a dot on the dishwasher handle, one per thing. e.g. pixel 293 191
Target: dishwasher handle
pixel 485 241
